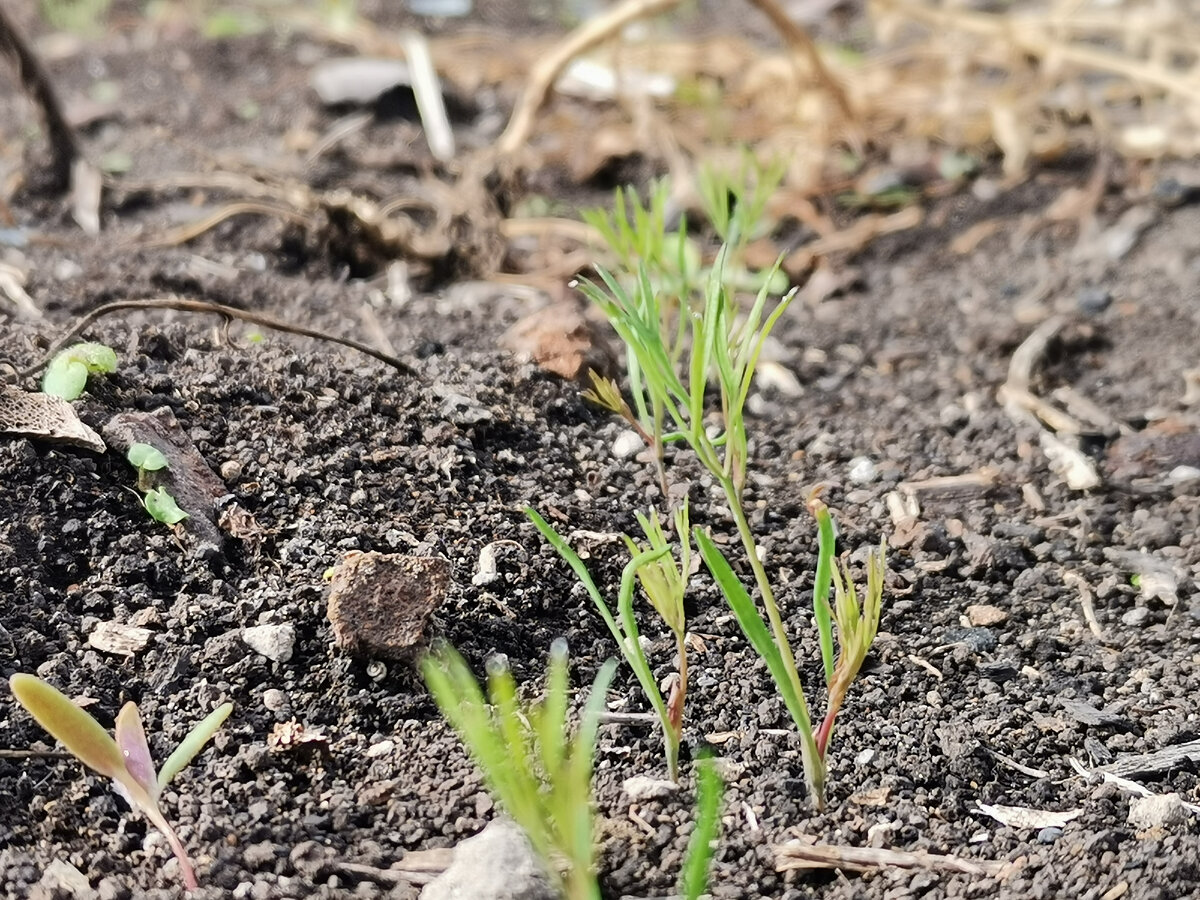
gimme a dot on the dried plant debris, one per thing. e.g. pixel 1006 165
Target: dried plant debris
pixel 43 417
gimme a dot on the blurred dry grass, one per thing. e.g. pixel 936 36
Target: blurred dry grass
pixel 1026 84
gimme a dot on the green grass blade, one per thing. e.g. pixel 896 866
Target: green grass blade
pixel 709 790
pixel 826 542
pixel 552 713
pixel 753 627
pixel 581 572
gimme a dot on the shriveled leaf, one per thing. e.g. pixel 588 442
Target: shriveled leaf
pixel 162 507
pixel 146 456
pixel 193 743
pixel 131 739
pixel 74 728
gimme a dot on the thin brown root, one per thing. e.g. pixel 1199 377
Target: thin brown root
pixel 203 306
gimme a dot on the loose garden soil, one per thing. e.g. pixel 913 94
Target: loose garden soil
pixel 986 680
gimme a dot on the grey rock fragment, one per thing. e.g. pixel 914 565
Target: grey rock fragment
pixel 496 864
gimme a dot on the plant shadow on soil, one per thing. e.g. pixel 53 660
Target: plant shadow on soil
pixel 333 452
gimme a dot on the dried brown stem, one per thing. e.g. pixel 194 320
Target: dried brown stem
pixel 65 148
pixel 203 306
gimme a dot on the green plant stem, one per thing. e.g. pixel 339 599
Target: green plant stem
pixel 814 757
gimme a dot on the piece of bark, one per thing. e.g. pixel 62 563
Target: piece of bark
pixel 43 417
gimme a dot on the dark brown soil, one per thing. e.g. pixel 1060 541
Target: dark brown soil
pixel 331 451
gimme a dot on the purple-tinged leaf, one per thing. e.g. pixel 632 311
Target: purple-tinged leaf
pixel 74 728
pixel 131 739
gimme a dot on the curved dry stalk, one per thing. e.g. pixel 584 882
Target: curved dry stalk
pixel 546 72
pixel 203 306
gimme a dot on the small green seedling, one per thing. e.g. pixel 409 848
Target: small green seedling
pixel 542 778
pixel 693 880
pixel 624 628
pixel 162 507
pixel 147 459
pixel 67 374
pixel 158 501
pixel 126 760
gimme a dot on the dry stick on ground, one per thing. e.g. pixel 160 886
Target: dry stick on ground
pixel 203 306
pixel 601 28
pixel 800 855
pixel 68 165
pixel 64 144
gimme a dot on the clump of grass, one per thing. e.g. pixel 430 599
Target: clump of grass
pixel 540 777
pixel 671 365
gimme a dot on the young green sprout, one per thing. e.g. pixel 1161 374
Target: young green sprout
pixel 147 459
pixel 542 778
pixel 67 374
pixel 126 760
pixel 157 501
pixel 668 593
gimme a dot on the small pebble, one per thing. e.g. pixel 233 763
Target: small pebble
pixel 1049 834
pixel 275 642
pixel 862 470
pixel 276 700
pixel 1094 300
pixel 627 444
pixel 1136 617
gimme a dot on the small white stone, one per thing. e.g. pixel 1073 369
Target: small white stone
pixel 864 758
pixel 863 470
pixel 275 642
pixel 1157 811
pixel 383 748
pixel 275 700
pixel 627 443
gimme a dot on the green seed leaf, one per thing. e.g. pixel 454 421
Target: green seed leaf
pixel 146 457
pixel 70 725
pixel 193 743
pixel 162 507
pixel 67 374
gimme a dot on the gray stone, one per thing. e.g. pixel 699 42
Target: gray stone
pixel 275 642
pixel 496 864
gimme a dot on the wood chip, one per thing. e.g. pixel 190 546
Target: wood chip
pixel 1154 763
pixel 1026 819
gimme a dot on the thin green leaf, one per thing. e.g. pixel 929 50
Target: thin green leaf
pixel 753 627
pixel 581 572
pixel 710 788
pixel 70 725
pixel 826 541
pixel 191 745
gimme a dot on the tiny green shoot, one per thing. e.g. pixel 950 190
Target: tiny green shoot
pixel 624 628
pixel 126 760
pixel 693 880
pixel 162 507
pixel 540 777
pixel 147 459
pixel 67 374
